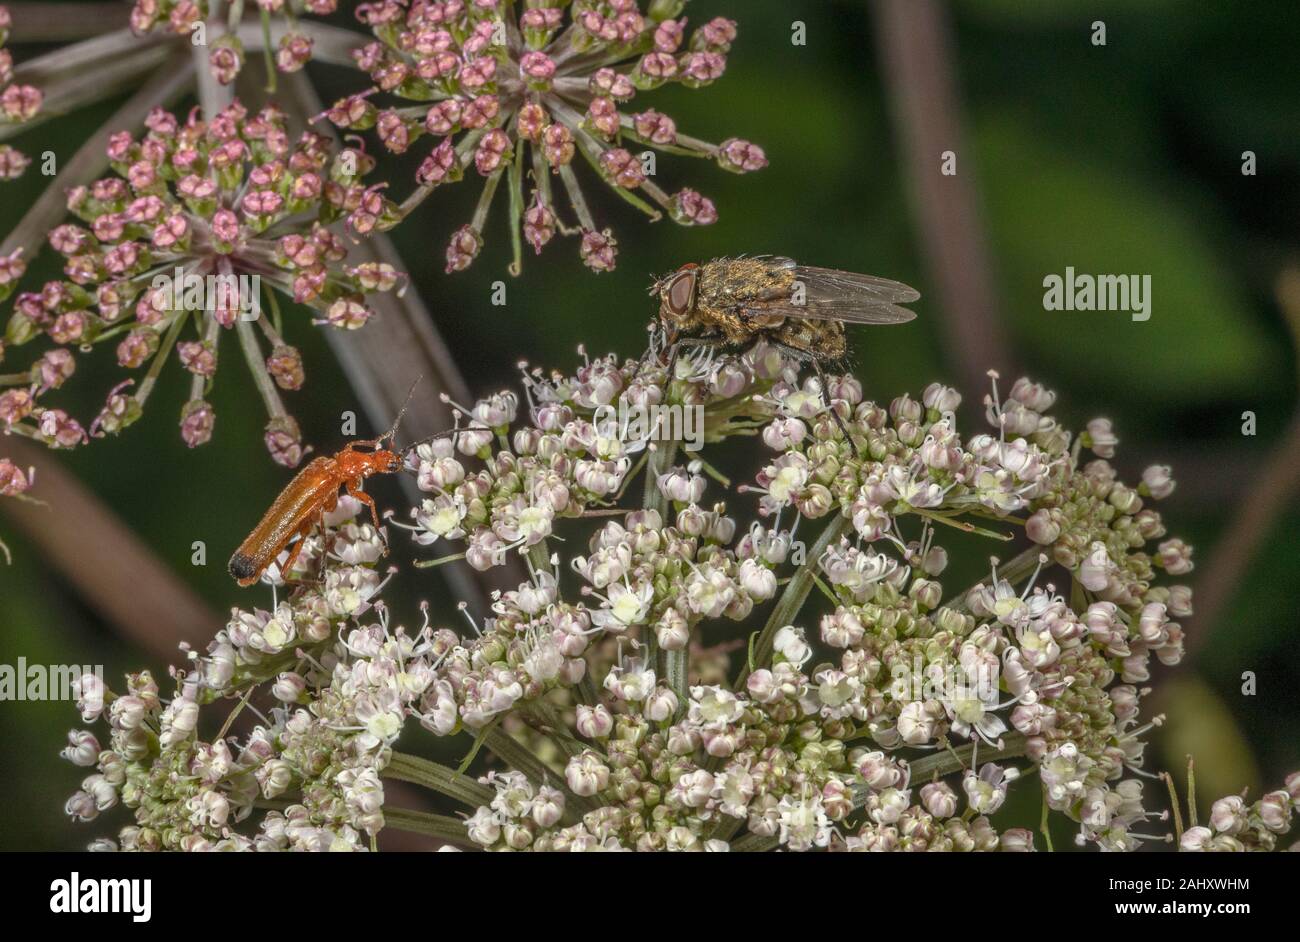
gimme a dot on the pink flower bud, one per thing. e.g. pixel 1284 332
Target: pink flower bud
pixel 719 33
pixel 438 166
pixel 599 250
pixel 615 85
pixel 557 145
pixel 197 420
pixel 20 103
pixel 594 722
pixel 293 53
pixel 55 366
pixel 602 117
pixel 539 225
pixel 1041 528
pixel 690 208
pixel 669 35
pixel 284 441
pixel 1101 438
pixel 493 151
pixel 657 66
pixel 463 248
pixel 136 347
pixel 1175 556
pixel 225 226
pixel 1094 571
pixel 59 430
pixel 12 479
pixel 1158 480
pixel 478 72
pixel 285 366
pixel 741 156
pixel 537 69
pixel 347 313
pixel 12 163
pixel 225 63
pixel 393 132
pixel 622 168
pixel 15 405
pixel 480 112
pixel 701 68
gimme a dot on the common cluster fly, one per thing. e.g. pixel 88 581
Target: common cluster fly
pixel 802 310
pixel 732 303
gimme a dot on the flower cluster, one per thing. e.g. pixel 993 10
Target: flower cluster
pixel 890 715
pixel 202 223
pixel 18 104
pixel 504 91
pixel 573 456
pixel 1237 826
pixel 226 58
pixel 14 482
pixel 342 683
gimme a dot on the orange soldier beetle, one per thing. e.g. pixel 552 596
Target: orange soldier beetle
pixel 314 492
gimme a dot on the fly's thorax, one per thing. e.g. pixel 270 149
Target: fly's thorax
pixel 736 281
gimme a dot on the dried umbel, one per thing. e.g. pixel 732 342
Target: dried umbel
pixel 14 482
pixel 19 103
pixel 514 91
pixel 227 55
pixel 893 714
pixel 204 223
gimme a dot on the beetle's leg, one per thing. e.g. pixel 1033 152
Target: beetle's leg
pixel 353 488
pixel 329 505
pixel 300 539
pixel 326 541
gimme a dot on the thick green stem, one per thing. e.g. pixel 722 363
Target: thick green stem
pixel 441 826
pixel 753 844
pixel 547 720
pixel 796 593
pixel 939 764
pixel 438 778
pixel 672 665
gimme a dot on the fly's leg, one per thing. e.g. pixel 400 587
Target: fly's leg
pixel 687 343
pixel 672 364
pixel 826 395
pixel 650 352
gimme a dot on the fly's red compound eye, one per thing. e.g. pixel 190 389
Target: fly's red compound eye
pixel 681 292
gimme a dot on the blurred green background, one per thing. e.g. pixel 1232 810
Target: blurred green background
pixel 1117 159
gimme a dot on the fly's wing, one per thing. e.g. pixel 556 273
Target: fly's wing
pixel 843 296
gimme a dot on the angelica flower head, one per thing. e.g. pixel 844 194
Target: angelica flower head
pixel 636 688
pixel 205 221
pixel 510 93
pixel 19 103
pixel 227 55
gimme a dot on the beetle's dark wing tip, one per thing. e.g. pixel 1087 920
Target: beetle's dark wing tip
pixel 243 566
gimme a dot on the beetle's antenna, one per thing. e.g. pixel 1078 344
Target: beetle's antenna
pixel 402 412
pixel 451 432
